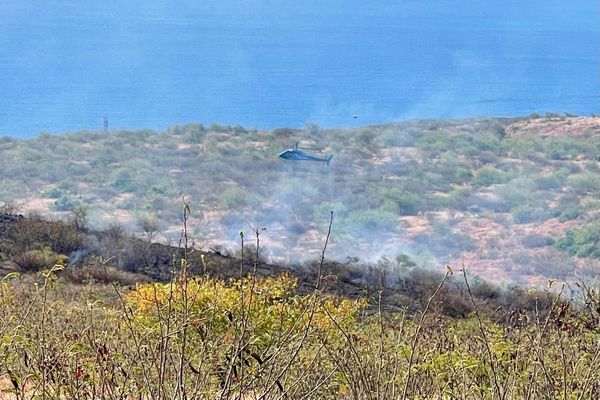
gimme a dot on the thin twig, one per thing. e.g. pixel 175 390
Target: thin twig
pixel 418 332
pixel 319 273
pixel 484 336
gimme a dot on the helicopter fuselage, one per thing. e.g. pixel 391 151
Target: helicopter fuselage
pixel 299 155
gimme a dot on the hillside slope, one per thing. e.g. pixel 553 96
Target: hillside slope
pixel 516 199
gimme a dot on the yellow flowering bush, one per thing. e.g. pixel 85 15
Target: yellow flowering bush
pixel 266 303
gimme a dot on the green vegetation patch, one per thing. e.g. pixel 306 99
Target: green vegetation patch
pixel 582 242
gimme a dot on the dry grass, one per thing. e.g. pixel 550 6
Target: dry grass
pixel 205 339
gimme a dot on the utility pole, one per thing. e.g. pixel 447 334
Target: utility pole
pixel 105 124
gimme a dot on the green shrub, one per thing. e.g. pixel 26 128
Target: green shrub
pixel 567 210
pixel 407 203
pixel 436 181
pixel 322 211
pixel 435 142
pixel 517 192
pixel 584 183
pixel 53 193
pixel 458 198
pixel 553 181
pixel 124 181
pixel 486 142
pixel 164 188
pixel 459 175
pixel 526 214
pixel 65 203
pixel 452 169
pixel 489 175
pixel 562 148
pixel 361 222
pixel 404 261
pixel 583 242
pixel 220 128
pixel 521 147
pixel 234 197
pixel 404 138
pixel 76 169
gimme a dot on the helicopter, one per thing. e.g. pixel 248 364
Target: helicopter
pixel 296 154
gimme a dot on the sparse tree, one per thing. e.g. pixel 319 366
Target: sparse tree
pixel 404 261
pixel 79 218
pixel 149 225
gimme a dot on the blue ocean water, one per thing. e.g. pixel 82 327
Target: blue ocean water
pixel 65 65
